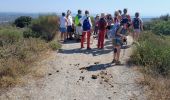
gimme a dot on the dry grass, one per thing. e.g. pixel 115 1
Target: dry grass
pixel 16 59
pixel 158 88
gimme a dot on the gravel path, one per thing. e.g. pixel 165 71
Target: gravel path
pixel 69 77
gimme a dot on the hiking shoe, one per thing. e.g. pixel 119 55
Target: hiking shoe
pixel 88 48
pixel 118 62
pixel 114 61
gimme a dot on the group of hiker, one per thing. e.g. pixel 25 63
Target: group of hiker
pixel 105 26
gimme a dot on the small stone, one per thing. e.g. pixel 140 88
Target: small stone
pixel 94 77
pixel 49 74
pixel 114 92
pixel 102 77
pixel 106 80
pixel 57 71
pixel 101 83
pixel 88 82
pixel 96 63
pixel 109 97
pixel 82 71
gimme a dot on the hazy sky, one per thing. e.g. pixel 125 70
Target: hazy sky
pixel 145 7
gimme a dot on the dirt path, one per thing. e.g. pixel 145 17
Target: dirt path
pixel 68 79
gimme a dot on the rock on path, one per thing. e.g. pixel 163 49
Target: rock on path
pixel 79 74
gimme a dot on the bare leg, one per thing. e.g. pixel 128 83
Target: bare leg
pixel 118 53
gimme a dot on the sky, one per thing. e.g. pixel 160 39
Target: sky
pixel 145 7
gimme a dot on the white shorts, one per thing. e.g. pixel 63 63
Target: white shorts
pixel 79 30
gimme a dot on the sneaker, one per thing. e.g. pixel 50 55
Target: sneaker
pixel 113 61
pixel 88 48
pixel 118 62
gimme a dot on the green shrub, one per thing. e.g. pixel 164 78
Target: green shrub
pixel 45 27
pixel 159 26
pixel 9 35
pixel 55 45
pixel 23 21
pixel 153 52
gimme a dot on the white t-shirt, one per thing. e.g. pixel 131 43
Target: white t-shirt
pixel 63 22
pixel 85 17
pixel 70 20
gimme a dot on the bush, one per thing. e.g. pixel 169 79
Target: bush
pixel 45 27
pixel 159 26
pixel 17 54
pixel 153 52
pixel 23 21
pixel 9 35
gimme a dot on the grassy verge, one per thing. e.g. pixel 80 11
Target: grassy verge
pixel 153 55
pixel 20 48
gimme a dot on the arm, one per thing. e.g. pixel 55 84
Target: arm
pixel 90 22
pixel 141 24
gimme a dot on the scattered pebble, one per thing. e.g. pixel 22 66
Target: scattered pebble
pixel 83 68
pixel 49 74
pixel 96 63
pixel 57 71
pixel 82 71
pixel 109 97
pixel 94 77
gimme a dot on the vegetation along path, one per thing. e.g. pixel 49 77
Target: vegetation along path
pixel 80 74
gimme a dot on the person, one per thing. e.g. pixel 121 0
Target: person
pixel 120 13
pixel 78 25
pixel 117 18
pixel 96 28
pixel 87 28
pixel 70 25
pixel 102 31
pixel 137 26
pixel 117 42
pixel 63 26
pixel 109 24
pixel 125 21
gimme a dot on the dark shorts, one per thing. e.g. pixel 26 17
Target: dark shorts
pixel 63 30
pixel 117 42
pixel 69 29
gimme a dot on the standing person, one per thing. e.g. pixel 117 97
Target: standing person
pixel 102 31
pixel 126 21
pixel 78 25
pixel 137 26
pixel 117 18
pixel 63 26
pixel 117 42
pixel 87 27
pixel 109 24
pixel 70 25
pixel 96 29
pixel 120 14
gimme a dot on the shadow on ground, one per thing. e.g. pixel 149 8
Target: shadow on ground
pixel 98 67
pixel 93 51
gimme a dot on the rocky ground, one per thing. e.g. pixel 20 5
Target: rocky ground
pixel 80 74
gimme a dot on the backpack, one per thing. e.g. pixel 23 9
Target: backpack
pixel 125 19
pixel 86 24
pixel 112 33
pixel 136 23
pixel 102 24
